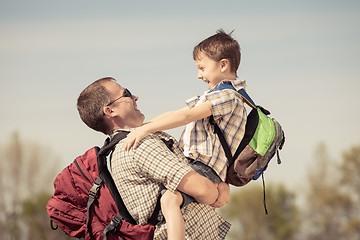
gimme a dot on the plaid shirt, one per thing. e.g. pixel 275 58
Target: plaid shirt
pixel 139 174
pixel 199 140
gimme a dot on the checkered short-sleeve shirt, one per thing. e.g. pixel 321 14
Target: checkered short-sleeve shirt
pixel 139 174
pixel 199 140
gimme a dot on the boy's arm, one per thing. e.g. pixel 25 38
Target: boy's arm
pixel 199 187
pixel 167 121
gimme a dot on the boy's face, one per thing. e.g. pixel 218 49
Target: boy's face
pixel 209 70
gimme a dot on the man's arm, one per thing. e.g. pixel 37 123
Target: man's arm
pixel 224 195
pixel 199 187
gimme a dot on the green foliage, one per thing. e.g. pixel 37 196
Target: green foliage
pixel 27 170
pixel 332 210
pixel 350 171
pixel 246 212
pixel 35 217
pixel 329 210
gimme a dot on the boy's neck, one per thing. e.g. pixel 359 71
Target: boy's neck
pixel 230 77
pixel 224 79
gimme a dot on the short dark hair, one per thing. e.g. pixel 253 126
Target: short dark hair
pixel 91 102
pixel 220 46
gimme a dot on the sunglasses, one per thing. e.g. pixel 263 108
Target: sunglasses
pixel 127 93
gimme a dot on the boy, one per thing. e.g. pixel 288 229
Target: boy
pixel 217 59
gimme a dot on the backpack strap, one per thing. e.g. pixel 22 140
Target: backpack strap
pixel 106 178
pixel 105 175
pixel 222 139
pixel 217 129
pixel 92 196
pixel 241 91
pixel 114 223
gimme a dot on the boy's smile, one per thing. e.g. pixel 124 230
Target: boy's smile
pixel 209 70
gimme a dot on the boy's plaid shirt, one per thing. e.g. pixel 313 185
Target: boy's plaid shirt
pixel 199 140
pixel 139 175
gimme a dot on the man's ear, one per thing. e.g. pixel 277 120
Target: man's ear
pixel 224 64
pixel 108 111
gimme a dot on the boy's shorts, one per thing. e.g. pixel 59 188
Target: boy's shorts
pixel 203 170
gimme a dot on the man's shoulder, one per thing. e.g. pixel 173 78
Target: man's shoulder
pixel 157 136
pixel 154 142
pixel 164 135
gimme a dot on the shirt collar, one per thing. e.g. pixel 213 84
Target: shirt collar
pixel 237 84
pixel 112 134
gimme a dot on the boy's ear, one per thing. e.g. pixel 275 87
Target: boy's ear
pixel 224 64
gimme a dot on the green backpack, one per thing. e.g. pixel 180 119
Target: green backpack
pixel 263 138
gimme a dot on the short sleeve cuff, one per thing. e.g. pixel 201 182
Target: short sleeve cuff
pixel 175 180
pixel 192 101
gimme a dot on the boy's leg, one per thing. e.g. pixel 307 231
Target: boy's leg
pixel 170 207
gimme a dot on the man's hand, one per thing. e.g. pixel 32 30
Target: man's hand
pixel 134 137
pixel 224 195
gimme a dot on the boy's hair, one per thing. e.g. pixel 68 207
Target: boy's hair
pixel 91 102
pixel 220 46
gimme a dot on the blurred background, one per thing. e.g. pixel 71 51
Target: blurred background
pixel 300 60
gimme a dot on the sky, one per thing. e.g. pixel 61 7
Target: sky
pixel 300 60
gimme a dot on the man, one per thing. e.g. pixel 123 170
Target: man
pixel 139 174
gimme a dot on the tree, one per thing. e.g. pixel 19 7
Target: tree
pixel 350 167
pixel 329 212
pixel 26 170
pixel 34 216
pixel 249 222
pixel 350 181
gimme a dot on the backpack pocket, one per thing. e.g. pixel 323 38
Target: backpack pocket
pixel 245 166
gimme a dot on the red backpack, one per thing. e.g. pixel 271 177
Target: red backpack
pixel 86 203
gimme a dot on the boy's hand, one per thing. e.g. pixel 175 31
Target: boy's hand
pixel 134 137
pixel 224 195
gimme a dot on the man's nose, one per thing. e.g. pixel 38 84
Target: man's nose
pixel 135 98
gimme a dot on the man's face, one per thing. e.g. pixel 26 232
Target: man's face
pixel 208 70
pixel 124 105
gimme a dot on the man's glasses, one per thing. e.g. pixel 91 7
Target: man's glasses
pixel 127 93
